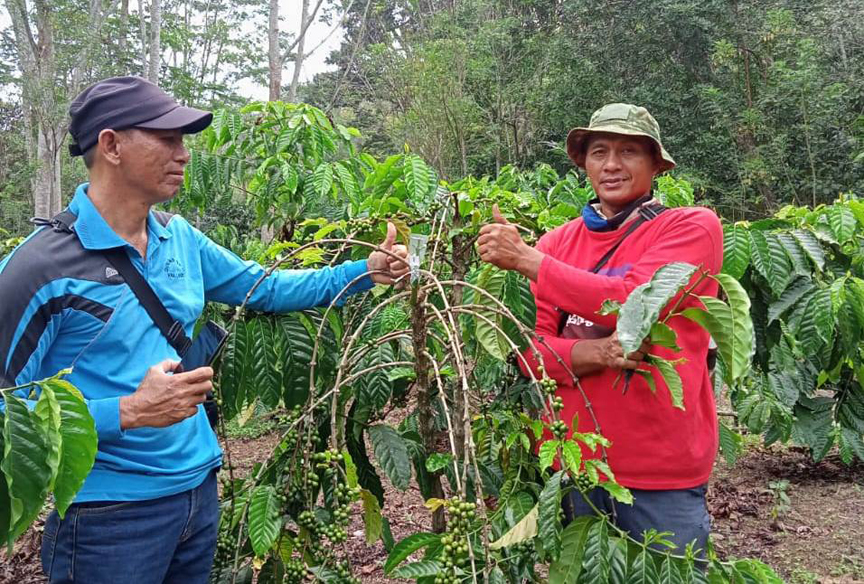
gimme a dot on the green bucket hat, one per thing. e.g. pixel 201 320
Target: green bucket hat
pixel 618 118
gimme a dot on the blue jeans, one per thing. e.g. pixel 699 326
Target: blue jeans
pixel 167 540
pixel 681 511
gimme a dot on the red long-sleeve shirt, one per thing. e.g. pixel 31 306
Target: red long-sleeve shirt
pixel 654 445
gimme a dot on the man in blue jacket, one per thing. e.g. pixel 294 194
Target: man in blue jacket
pixel 148 511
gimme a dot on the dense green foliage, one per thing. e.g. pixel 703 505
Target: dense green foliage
pixel 436 353
pixel 49 448
pixel 803 270
pixel 440 346
pixel 759 102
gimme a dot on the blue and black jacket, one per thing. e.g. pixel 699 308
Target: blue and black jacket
pixel 63 305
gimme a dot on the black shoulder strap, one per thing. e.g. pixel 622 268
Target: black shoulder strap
pixel 170 328
pixel 646 213
pixel 62 221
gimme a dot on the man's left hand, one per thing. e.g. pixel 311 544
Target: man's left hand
pixel 500 244
pixel 389 268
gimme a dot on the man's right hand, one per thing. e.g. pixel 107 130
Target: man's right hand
pixel 592 355
pixel 612 354
pixel 163 399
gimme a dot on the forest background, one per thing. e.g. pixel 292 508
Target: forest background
pixel 760 102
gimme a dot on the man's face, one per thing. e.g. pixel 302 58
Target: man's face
pixel 620 168
pixel 153 162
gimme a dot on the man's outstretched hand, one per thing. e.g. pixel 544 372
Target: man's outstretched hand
pixel 501 245
pixel 389 268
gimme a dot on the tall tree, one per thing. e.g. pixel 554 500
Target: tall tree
pixel 299 55
pixel 155 41
pixel 274 54
pixel 298 47
pixel 34 39
pixel 47 79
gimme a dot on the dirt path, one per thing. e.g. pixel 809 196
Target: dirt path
pixel 817 537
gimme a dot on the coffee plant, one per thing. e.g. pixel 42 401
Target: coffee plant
pixel 803 272
pixel 48 446
pixel 424 378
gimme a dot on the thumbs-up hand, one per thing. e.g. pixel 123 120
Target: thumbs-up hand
pixel 388 267
pixel 500 244
pixel 390 239
pixel 497 216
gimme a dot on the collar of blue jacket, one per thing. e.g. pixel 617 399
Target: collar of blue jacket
pixel 94 232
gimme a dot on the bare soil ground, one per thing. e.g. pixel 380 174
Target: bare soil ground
pixel 817 537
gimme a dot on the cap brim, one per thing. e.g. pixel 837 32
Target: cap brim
pixel 576 138
pixel 186 119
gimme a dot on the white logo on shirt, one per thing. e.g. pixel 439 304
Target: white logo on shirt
pixel 110 272
pixel 574 319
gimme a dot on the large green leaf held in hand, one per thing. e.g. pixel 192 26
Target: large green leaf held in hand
pixel 642 308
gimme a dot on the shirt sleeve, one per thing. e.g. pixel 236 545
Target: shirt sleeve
pixel 697 239
pixel 21 354
pixel 105 412
pixel 553 346
pixel 106 418
pixel 228 279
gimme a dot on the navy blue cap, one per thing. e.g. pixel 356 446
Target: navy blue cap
pixel 128 102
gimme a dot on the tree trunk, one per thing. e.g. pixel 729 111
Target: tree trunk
pixel 155 40
pixel 274 56
pixel 142 31
pixel 42 95
pixel 124 24
pixel 49 129
pixel 425 411
pixel 298 58
pixel 461 259
pixel 46 187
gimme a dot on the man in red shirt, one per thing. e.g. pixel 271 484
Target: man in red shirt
pixel 662 454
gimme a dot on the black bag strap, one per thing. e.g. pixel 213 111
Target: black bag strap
pixel 117 257
pixel 646 213
pixel 171 328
